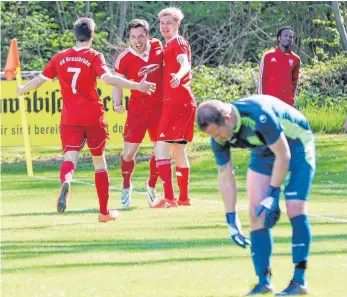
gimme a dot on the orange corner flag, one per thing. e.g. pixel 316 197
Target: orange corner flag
pixel 12 61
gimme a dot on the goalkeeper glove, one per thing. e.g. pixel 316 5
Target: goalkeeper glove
pixel 234 227
pixel 270 206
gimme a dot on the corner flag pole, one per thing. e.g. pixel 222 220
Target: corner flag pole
pixel 13 65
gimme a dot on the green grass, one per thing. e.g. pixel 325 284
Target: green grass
pixel 182 252
pixel 327 120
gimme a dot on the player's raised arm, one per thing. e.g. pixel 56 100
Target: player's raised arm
pixel 31 85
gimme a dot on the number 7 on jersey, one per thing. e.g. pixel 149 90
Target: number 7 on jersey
pixel 76 72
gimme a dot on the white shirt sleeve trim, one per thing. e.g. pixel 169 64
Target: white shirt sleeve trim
pixel 45 77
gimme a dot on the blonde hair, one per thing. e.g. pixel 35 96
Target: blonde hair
pixel 174 11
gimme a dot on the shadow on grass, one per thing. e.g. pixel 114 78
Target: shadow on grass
pixel 51 213
pixel 245 226
pixel 149 262
pixel 119 264
pixel 12 250
pixel 66 213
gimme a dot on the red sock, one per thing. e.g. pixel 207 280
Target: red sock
pixel 182 175
pixel 127 171
pixel 153 173
pixel 102 184
pixel 67 170
pixel 165 173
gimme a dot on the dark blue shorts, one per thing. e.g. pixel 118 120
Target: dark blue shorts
pixel 300 175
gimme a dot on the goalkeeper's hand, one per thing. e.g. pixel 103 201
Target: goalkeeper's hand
pixel 234 226
pixel 270 206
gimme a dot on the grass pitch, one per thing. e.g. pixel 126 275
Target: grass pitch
pixel 183 252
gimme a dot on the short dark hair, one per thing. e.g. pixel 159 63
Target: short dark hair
pixel 136 23
pixel 279 32
pixel 84 29
pixel 210 112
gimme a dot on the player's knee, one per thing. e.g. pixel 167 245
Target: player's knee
pixel 71 156
pixel 252 210
pixel 296 207
pixel 255 222
pixel 99 162
pixel 129 156
pixel 161 151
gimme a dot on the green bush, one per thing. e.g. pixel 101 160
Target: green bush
pixel 224 83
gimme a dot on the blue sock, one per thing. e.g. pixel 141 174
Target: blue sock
pixel 301 241
pixel 261 253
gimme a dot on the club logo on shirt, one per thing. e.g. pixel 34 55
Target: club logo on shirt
pixel 273 59
pixel 291 62
pixel 263 118
pixel 148 69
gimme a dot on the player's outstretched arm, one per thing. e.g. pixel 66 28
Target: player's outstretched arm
pixel 31 85
pixel 117 81
pixel 345 125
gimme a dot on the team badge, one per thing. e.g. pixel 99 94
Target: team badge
pixel 291 62
pixel 148 69
pixel 263 118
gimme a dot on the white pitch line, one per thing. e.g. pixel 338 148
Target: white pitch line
pixel 340 220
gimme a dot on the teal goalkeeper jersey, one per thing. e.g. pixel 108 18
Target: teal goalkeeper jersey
pixel 260 121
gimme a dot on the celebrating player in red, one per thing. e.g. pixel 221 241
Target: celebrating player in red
pixel 144 57
pixel 279 69
pixel 82 118
pixel 176 127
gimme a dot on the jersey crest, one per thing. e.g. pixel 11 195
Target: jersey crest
pixel 148 69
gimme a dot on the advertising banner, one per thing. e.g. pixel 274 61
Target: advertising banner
pixel 43 109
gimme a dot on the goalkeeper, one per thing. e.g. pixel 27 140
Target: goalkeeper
pixel 281 142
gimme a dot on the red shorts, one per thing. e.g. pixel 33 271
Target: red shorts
pixel 73 138
pixel 177 122
pixel 142 117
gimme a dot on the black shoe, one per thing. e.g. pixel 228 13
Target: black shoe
pixel 261 289
pixel 293 289
pixel 63 197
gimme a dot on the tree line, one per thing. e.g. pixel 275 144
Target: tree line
pixel 220 33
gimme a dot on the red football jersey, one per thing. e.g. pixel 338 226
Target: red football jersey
pixel 183 93
pixel 77 69
pixel 134 66
pixel 279 75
